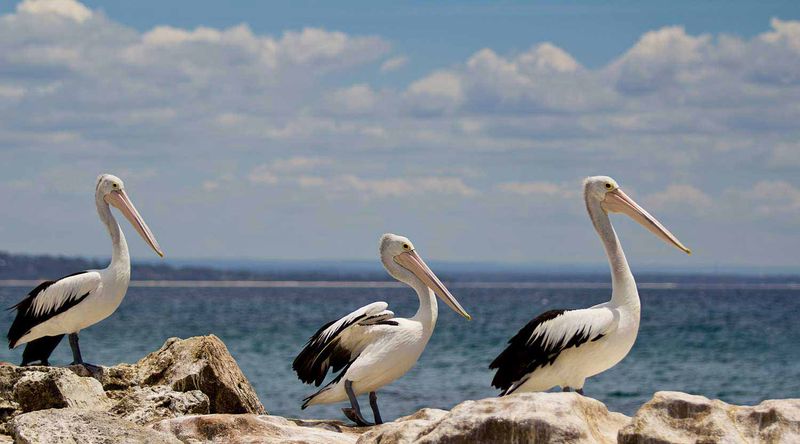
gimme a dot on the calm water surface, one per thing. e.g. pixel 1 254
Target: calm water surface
pixel 737 345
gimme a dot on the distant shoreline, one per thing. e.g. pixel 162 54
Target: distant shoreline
pixel 388 284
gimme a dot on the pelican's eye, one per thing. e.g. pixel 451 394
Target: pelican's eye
pixel 406 247
pixel 608 186
pixel 115 185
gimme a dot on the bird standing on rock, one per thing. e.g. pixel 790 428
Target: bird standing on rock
pixel 371 346
pixel 74 302
pixel 564 347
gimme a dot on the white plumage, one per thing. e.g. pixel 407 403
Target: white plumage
pixel 564 347
pixel 74 302
pixel 598 320
pixel 370 346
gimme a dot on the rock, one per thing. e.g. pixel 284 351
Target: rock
pixel 144 405
pixel 406 428
pixel 522 418
pixel 191 376
pixel 72 426
pixel 24 389
pixel 58 388
pixel 199 363
pixel 674 417
pixel 235 429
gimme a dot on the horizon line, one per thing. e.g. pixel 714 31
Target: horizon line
pixel 394 284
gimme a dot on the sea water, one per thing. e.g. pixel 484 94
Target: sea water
pixel 740 344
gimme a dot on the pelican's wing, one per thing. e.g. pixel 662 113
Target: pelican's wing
pixel 541 341
pixel 337 343
pixel 49 299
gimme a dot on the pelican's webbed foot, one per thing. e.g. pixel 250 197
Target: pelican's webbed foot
pixel 90 367
pixel 356 417
pixel 354 412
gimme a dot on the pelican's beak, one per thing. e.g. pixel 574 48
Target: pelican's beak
pixel 618 202
pixel 412 262
pixel 120 200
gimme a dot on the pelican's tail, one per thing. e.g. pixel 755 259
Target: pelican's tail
pixel 310 400
pixel 40 349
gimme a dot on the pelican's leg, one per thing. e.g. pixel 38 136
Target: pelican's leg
pixel 354 412
pixel 76 349
pixel 566 389
pixel 373 402
pixel 76 353
pixel 580 391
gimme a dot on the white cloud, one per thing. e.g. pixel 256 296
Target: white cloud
pixel 441 83
pixel 437 92
pixel 360 188
pixel 770 198
pixel 63 8
pixel 315 173
pixel 536 189
pixel 544 78
pixel 281 169
pixel 660 58
pixel 547 58
pixel 785 155
pixel 263 174
pixel 784 32
pixel 298 163
pixel 355 99
pixel 314 44
pixel 681 197
pixel 394 64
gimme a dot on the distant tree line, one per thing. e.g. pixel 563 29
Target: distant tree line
pixel 33 267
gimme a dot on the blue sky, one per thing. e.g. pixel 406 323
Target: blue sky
pixel 304 130
pixel 442 32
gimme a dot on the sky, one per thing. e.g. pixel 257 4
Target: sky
pixel 305 130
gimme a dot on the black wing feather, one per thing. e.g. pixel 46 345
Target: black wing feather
pixel 312 363
pixel 26 320
pixel 522 356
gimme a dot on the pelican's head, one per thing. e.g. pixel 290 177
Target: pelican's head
pixel 112 191
pixel 402 261
pixel 612 199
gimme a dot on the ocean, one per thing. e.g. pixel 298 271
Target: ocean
pixel 739 341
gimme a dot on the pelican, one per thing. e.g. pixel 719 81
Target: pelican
pixel 564 347
pixel 74 302
pixel 371 346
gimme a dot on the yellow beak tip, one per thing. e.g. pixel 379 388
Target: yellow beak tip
pixel 469 318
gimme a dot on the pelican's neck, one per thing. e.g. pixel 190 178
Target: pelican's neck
pixel 119 254
pixel 623 285
pixel 428 310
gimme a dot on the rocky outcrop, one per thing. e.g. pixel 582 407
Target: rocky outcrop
pixel 241 429
pixel 523 418
pixel 200 363
pixel 73 426
pixel 184 377
pixel 674 417
pixel 192 391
